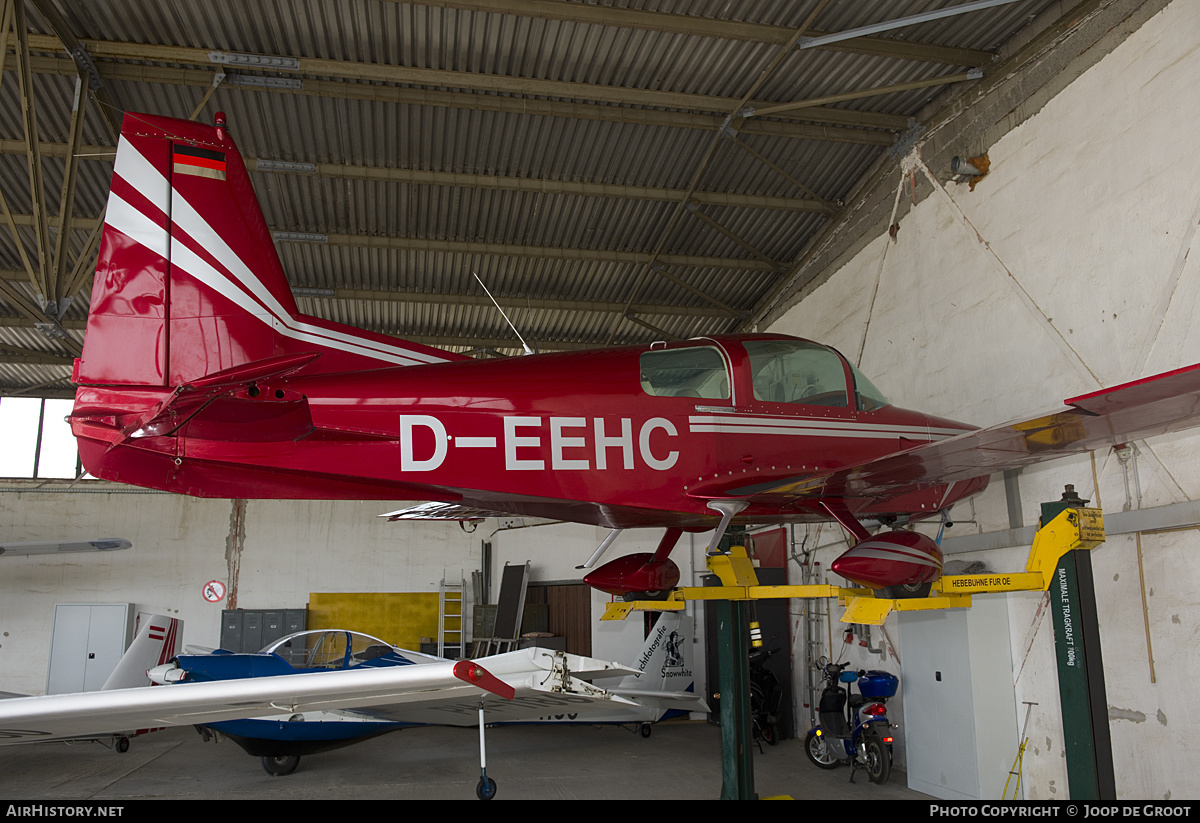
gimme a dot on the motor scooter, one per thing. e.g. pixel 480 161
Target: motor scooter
pixel 766 695
pixel 854 728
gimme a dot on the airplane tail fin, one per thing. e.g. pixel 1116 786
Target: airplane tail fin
pixel 188 282
pixel 668 676
pixel 156 642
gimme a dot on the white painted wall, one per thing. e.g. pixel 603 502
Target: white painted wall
pixel 1090 209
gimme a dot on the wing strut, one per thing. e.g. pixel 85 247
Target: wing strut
pixel 601 549
pixel 839 512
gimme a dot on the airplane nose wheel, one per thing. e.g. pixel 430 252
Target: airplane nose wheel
pixel 486 789
pixel 279 766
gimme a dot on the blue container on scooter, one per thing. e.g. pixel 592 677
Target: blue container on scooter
pixel 876 684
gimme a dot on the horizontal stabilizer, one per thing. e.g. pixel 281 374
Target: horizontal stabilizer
pixel 237 404
pixel 680 701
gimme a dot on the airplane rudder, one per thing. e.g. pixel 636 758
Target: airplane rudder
pixel 666 654
pixel 229 294
pixel 126 337
pixel 157 641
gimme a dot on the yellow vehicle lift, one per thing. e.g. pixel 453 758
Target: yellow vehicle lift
pixel 1073 528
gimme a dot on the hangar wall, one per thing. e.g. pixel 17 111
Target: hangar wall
pixel 1073 265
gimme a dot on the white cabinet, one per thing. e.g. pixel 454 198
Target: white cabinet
pixel 960 728
pixel 88 640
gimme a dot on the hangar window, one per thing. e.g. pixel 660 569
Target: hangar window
pixel 696 371
pixel 793 371
pixel 38 439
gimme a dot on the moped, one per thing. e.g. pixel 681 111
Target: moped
pixel 765 696
pixel 854 728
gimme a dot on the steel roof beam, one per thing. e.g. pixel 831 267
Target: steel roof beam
pixel 727 233
pixel 42 389
pixel 478 91
pixel 439 340
pixel 780 108
pixel 510 301
pixel 368 241
pixel 66 207
pixel 83 63
pixel 544 186
pixel 41 233
pixel 468 181
pixel 711 27
pixel 21 356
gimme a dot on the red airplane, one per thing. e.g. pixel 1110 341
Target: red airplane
pixel 200 376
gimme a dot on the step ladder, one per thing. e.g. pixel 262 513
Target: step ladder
pixel 450 618
pixel 815 616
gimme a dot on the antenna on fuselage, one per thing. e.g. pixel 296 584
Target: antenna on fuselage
pixel 524 345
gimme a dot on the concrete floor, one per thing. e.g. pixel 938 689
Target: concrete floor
pixel 680 760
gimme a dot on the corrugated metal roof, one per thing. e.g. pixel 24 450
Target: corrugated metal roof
pixel 556 139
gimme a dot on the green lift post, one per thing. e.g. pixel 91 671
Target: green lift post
pixel 733 667
pixel 1080 668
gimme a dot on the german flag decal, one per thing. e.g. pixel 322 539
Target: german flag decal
pixel 200 162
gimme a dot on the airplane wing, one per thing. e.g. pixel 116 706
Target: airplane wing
pixel 1143 408
pixel 445 693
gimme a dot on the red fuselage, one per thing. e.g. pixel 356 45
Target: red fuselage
pixel 608 437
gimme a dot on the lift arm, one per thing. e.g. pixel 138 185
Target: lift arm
pixel 1073 528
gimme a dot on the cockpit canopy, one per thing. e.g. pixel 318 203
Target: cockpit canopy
pixel 334 649
pixel 781 370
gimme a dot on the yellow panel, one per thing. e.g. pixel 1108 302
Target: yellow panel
pixel 620 609
pixel 400 618
pixel 734 568
pixel 867 610
pixel 1071 529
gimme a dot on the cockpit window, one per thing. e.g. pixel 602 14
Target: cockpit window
pixel 792 371
pixel 332 649
pixel 697 371
pixel 869 397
